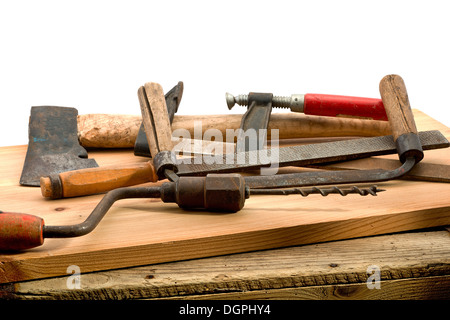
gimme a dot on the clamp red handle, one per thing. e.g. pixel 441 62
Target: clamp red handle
pixel 335 106
pixel 20 231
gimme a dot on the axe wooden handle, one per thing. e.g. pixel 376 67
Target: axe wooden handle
pixel 120 131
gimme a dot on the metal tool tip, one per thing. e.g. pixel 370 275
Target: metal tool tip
pixel 230 100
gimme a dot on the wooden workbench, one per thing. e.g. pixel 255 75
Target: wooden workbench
pixel 319 262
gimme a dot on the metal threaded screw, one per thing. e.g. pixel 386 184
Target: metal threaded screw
pixel 322 191
pixel 295 102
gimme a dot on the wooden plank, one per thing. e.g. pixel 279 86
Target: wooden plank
pixel 412 265
pixel 146 231
pixel 432 288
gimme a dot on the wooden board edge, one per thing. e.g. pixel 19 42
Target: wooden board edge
pixel 15 270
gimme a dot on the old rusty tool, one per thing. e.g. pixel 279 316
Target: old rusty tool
pixel 259 108
pixel 98 180
pixel 215 192
pixel 173 99
pixel 422 171
pixel 118 131
pixel 227 192
pixel 305 155
pixel 407 141
pixel 49 176
pixel 255 121
pixel 158 130
pixel 125 131
pixel 321 105
pixel 53 145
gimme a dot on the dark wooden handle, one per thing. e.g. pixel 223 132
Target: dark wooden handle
pixel 96 180
pixel 396 103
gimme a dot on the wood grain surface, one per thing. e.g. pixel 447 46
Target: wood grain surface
pixel 411 265
pixel 395 98
pixel 147 231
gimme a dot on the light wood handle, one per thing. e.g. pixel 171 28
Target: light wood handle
pixel 120 131
pixel 401 119
pixel 396 103
pixel 96 180
pixel 108 130
pixel 155 118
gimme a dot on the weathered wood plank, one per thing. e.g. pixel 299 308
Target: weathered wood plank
pixel 411 265
pixel 430 288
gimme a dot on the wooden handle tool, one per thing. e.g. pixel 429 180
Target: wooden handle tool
pixel 97 180
pixel 396 102
pixel 157 129
pixel 120 131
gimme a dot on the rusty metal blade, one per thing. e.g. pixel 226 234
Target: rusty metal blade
pixel 53 145
pixel 304 154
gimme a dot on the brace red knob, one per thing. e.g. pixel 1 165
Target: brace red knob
pixel 20 231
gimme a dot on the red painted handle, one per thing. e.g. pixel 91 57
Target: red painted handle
pixel 20 231
pixel 335 106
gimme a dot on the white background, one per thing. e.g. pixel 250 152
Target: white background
pixel 94 55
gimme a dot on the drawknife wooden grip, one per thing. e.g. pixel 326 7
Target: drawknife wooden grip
pixel 156 121
pixel 396 102
pixel 394 95
pixel 96 180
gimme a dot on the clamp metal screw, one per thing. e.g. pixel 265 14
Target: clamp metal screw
pixel 295 102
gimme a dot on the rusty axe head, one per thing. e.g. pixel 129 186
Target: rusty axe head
pixel 53 145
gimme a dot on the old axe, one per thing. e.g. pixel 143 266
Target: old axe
pixel 54 145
